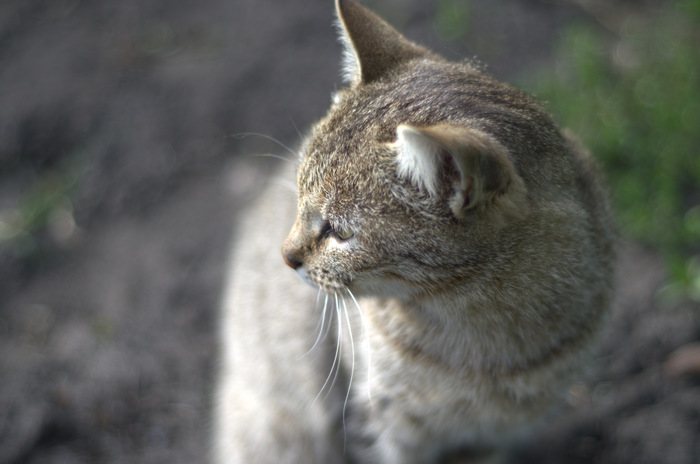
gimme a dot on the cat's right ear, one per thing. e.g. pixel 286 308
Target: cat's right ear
pixel 476 168
pixel 371 46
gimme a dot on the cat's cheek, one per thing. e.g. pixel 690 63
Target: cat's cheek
pixel 349 245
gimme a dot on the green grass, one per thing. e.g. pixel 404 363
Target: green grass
pixel 633 96
pixel 451 18
pixel 43 214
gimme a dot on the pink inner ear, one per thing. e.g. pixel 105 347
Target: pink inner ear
pixel 455 175
pixel 468 191
pixel 449 167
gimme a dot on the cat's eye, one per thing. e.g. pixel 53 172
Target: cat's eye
pixel 340 233
pixel 344 234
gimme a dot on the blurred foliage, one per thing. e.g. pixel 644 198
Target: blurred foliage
pixel 451 16
pixel 633 96
pixel 42 217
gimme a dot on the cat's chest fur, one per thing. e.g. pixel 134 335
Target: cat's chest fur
pixel 460 248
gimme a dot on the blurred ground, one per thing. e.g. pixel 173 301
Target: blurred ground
pixel 126 118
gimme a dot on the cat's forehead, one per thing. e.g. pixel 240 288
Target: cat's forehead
pixel 353 135
pixel 330 166
pixel 339 170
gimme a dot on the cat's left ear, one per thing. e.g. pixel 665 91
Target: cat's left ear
pixel 372 47
pixel 471 166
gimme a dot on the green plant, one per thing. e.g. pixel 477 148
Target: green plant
pixel 451 18
pixel 634 98
pixel 42 215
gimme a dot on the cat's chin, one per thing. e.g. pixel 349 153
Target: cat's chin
pixel 384 287
pixel 304 276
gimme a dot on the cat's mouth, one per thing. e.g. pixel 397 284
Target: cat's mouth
pixel 321 280
pixel 376 282
pixel 301 272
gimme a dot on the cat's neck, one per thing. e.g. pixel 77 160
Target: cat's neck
pixel 459 333
pixel 432 329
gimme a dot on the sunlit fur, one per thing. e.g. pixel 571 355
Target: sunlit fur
pixel 459 251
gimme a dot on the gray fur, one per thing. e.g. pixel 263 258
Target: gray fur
pixel 474 280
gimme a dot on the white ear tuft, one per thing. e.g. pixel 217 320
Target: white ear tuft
pixel 471 167
pixel 350 63
pixel 372 47
pixel 418 158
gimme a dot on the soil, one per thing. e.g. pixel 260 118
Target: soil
pixel 108 316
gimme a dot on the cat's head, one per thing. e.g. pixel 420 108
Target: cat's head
pixel 404 183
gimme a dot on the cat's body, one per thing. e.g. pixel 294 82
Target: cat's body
pixel 470 247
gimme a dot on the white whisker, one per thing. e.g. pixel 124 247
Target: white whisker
pixel 243 135
pixel 365 336
pixel 296 128
pixel 272 155
pixel 330 319
pixel 352 369
pixel 339 344
pixel 321 322
pixel 286 183
pixel 336 360
pixel 316 304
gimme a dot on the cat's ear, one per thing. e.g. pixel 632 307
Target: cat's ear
pixel 468 164
pixel 372 47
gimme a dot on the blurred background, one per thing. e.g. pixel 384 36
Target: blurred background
pixel 127 129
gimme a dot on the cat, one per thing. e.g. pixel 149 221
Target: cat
pixel 460 251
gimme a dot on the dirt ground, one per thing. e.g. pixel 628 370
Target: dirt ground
pixel 108 318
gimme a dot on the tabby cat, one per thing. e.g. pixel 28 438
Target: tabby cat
pixel 459 251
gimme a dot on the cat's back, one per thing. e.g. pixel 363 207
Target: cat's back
pixel 263 308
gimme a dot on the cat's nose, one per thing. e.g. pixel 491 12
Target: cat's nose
pixel 291 248
pixel 291 260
